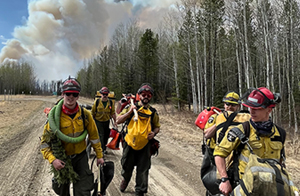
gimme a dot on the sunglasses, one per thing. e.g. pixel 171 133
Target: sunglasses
pixel 74 94
pixel 231 104
pixel 144 94
pixel 104 94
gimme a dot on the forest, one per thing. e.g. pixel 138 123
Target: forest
pixel 201 50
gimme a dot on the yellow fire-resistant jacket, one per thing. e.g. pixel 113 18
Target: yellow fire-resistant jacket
pixel 74 128
pixel 103 114
pixel 264 147
pixel 211 142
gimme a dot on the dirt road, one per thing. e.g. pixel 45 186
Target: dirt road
pixel 23 172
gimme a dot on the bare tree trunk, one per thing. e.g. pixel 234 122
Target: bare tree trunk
pixel 176 78
pixel 192 78
pixel 238 62
pixel 293 73
pixel 205 69
pixel 246 47
pixel 197 61
pixel 265 31
pixel 288 84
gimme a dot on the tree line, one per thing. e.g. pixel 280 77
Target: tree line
pixel 203 49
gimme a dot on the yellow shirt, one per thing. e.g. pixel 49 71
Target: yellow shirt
pixel 102 113
pixel 74 128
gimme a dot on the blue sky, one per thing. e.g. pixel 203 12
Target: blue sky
pixel 12 13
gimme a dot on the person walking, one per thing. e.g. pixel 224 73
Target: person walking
pixel 208 168
pixel 63 143
pixel 264 137
pixel 102 111
pixel 136 148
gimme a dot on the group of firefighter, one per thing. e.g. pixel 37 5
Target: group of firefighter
pixel 243 150
pixel 63 141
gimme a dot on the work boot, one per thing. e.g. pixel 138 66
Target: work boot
pixel 123 185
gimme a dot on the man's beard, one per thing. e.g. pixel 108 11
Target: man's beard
pixel 143 101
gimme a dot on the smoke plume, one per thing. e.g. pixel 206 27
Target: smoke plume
pixel 60 34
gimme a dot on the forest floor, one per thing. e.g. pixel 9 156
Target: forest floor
pixel 175 171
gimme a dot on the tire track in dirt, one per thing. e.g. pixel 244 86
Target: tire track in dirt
pixel 21 152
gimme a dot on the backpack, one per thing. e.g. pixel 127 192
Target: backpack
pixel 262 176
pixel 154 144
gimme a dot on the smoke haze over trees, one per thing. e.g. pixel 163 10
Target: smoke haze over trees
pixel 203 49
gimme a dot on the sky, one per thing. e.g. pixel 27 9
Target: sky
pixel 55 36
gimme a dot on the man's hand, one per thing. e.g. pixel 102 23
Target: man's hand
pixel 151 135
pixel 116 125
pixel 58 164
pixel 100 161
pixel 225 188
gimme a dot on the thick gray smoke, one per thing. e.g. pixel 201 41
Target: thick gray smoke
pixel 60 34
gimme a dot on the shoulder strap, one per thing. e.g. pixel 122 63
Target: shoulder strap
pixel 83 116
pixel 282 133
pixel 226 125
pixel 97 102
pixel 110 102
pixel 153 110
pixel 243 137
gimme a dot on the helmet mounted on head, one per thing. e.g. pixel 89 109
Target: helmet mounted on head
pixel 260 98
pixel 71 85
pixel 104 90
pixel 145 87
pixel 231 97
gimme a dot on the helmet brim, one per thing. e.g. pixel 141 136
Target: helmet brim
pixel 71 91
pixel 234 102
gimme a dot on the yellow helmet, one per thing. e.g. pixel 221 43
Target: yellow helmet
pixel 231 97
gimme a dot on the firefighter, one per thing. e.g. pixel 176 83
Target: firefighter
pixel 263 136
pixel 102 111
pixel 208 170
pixel 67 156
pixel 136 148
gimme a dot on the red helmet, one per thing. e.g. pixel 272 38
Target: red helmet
pixel 71 85
pixel 261 98
pixel 145 87
pixel 104 90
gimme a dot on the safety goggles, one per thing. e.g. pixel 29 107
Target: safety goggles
pixel 254 98
pixel 146 94
pixel 231 104
pixel 74 94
